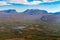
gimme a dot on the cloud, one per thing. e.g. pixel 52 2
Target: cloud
pixel 2 3
pixel 24 2
pixel 34 2
pixel 49 0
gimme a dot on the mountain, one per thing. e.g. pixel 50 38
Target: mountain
pixel 6 13
pixel 52 21
pixel 9 11
pixel 29 15
pixel 54 18
pixel 35 11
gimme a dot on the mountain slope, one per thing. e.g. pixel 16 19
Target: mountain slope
pixel 53 18
pixel 30 15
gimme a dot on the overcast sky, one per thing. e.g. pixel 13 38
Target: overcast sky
pixel 21 5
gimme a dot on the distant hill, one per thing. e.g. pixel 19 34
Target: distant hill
pixel 30 15
pixel 9 11
pixel 35 11
pixel 53 18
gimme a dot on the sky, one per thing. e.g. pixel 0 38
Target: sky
pixel 22 5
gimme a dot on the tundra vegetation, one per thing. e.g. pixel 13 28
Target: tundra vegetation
pixel 30 32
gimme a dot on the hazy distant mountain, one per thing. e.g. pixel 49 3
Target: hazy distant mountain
pixel 53 18
pixel 35 11
pixel 29 15
pixel 9 11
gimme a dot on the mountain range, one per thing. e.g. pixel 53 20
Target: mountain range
pixel 30 15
